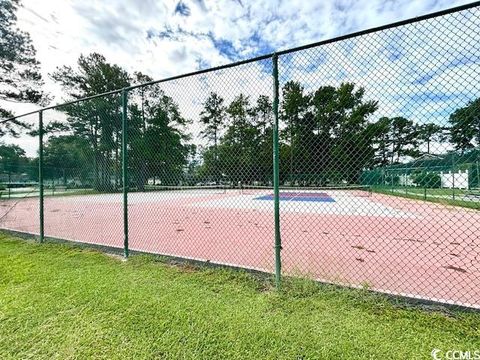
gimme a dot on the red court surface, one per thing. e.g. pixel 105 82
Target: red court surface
pixel 389 244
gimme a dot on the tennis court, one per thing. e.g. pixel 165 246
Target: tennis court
pixel 345 236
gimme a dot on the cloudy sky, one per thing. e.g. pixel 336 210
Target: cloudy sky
pixel 422 71
pixel 168 37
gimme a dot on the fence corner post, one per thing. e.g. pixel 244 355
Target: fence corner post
pixel 125 171
pixel 276 175
pixel 40 175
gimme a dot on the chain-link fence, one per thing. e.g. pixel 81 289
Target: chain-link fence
pixel 19 176
pixel 354 161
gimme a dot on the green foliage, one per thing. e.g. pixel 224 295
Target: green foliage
pixel 212 117
pixel 158 146
pixel 20 78
pixel 237 154
pixel 465 126
pixel 468 160
pixel 244 151
pixel 427 179
pixel 93 75
pixel 97 121
pixel 427 133
pixel 68 157
pixel 12 158
pixel 157 143
pixel 15 166
pixel 327 135
pixel 325 129
pixel 322 131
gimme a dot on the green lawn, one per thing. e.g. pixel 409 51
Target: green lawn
pixel 58 301
pixel 440 196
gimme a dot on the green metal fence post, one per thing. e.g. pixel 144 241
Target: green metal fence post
pixel 9 184
pixel 453 177
pixel 478 176
pixel 40 174
pixel 276 175
pixel 125 171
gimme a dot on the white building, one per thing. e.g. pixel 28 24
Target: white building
pixel 458 180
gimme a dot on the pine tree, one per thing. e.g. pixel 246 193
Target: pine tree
pixel 20 78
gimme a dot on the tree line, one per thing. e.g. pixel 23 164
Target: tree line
pixel 329 135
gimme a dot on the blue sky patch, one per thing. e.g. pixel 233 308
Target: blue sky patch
pixel 182 9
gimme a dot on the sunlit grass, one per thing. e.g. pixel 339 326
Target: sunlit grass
pixel 58 301
pixel 439 196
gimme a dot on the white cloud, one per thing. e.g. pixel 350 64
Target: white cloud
pixel 63 29
pixel 128 33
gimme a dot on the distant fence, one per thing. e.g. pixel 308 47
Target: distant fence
pixel 290 163
pixel 459 176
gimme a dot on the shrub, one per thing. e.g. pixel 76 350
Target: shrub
pixel 427 180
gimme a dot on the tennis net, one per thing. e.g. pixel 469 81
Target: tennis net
pixel 197 189
pixel 346 190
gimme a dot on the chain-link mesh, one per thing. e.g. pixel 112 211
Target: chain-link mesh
pixel 82 171
pixel 378 167
pixel 194 144
pixel 386 126
pixel 19 190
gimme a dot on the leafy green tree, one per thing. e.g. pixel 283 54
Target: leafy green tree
pixel 158 145
pixel 92 76
pixel 262 113
pixel 404 139
pixel 12 158
pixel 465 126
pixel 192 166
pixel 380 130
pixel 20 78
pixel 239 110
pixel 97 120
pixel 327 132
pixel 67 157
pixel 213 118
pixel 426 179
pixel 429 132
pixel 397 137
pixel 318 137
pixel 245 149
pixel 239 147
pixel 293 108
pixel 352 148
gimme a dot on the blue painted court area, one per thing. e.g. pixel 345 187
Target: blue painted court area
pixel 300 196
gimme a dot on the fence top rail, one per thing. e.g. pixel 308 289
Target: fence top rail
pixel 263 57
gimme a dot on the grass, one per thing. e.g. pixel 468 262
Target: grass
pixel 439 196
pixel 59 301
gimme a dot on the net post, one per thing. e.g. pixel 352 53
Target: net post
pixel 125 171
pixel 9 184
pixel 478 175
pixel 40 175
pixel 453 176
pixel 276 175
